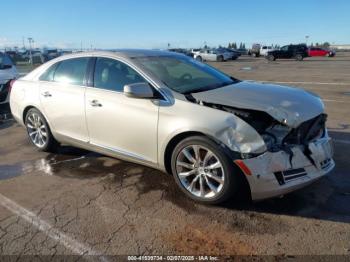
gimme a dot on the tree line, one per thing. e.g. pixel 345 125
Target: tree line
pixel 325 44
pixel 235 46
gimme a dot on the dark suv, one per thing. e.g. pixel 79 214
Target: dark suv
pixel 298 52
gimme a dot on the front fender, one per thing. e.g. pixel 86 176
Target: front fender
pixel 222 126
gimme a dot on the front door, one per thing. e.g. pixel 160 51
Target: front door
pixel 127 126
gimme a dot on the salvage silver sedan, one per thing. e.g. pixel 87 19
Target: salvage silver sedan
pixel 215 134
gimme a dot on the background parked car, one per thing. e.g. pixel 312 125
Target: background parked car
pixel 298 52
pixel 316 51
pixel 212 55
pixel 65 52
pixel 195 51
pixel 37 56
pixel 181 51
pixel 255 50
pixel 242 51
pixel 234 55
pixel 8 72
pixel 50 54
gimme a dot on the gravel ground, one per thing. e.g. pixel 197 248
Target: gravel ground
pixel 76 202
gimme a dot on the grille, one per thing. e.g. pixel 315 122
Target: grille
pixel 3 92
pixel 307 131
pixel 288 175
pixel 325 163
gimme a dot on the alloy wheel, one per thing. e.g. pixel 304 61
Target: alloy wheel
pixel 37 130
pixel 200 171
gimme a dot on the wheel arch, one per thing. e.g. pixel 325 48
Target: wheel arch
pixel 28 107
pixel 244 191
pixel 185 134
pixel 172 144
pixel 25 111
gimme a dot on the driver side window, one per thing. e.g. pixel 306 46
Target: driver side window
pixel 111 74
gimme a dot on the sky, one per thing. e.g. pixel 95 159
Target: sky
pixel 107 24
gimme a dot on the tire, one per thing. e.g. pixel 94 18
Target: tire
pixel 200 173
pixel 199 58
pixel 299 57
pixel 220 58
pixel 39 132
pixel 271 58
pixel 253 54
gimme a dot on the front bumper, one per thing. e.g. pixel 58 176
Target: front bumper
pixel 4 94
pixel 277 173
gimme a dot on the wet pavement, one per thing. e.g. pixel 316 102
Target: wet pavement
pixel 112 207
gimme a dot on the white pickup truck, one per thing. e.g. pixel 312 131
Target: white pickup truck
pixel 264 49
pixel 259 50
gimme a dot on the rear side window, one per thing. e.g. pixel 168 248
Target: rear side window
pixel 49 73
pixel 113 75
pixel 71 71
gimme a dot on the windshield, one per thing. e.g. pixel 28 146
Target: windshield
pixel 184 75
pixel 4 60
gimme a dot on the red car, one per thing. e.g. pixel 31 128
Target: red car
pixel 315 51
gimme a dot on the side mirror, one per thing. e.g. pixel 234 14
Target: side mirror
pixel 139 90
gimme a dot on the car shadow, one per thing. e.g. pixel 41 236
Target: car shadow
pixel 6 124
pixel 326 199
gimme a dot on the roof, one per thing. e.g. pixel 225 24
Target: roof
pixel 142 52
pixel 125 54
pixel 118 53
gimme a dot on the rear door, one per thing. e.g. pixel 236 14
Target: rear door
pixel 284 52
pixel 62 91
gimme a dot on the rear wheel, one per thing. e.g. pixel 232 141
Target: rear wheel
pixel 199 58
pixel 271 58
pixel 299 57
pixel 203 171
pixel 39 131
pixel 220 58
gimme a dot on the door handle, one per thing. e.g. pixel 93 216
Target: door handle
pixel 46 94
pixel 95 103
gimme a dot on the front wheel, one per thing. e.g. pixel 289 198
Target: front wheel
pixel 199 58
pixel 220 58
pixel 203 171
pixel 39 131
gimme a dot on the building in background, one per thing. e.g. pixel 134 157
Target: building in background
pixel 340 47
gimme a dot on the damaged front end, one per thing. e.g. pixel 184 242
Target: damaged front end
pixel 293 156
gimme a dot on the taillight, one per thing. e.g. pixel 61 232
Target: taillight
pixel 11 84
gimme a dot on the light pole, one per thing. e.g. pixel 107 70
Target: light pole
pixel 306 38
pixel 30 40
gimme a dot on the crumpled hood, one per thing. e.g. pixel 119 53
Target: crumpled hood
pixel 288 105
